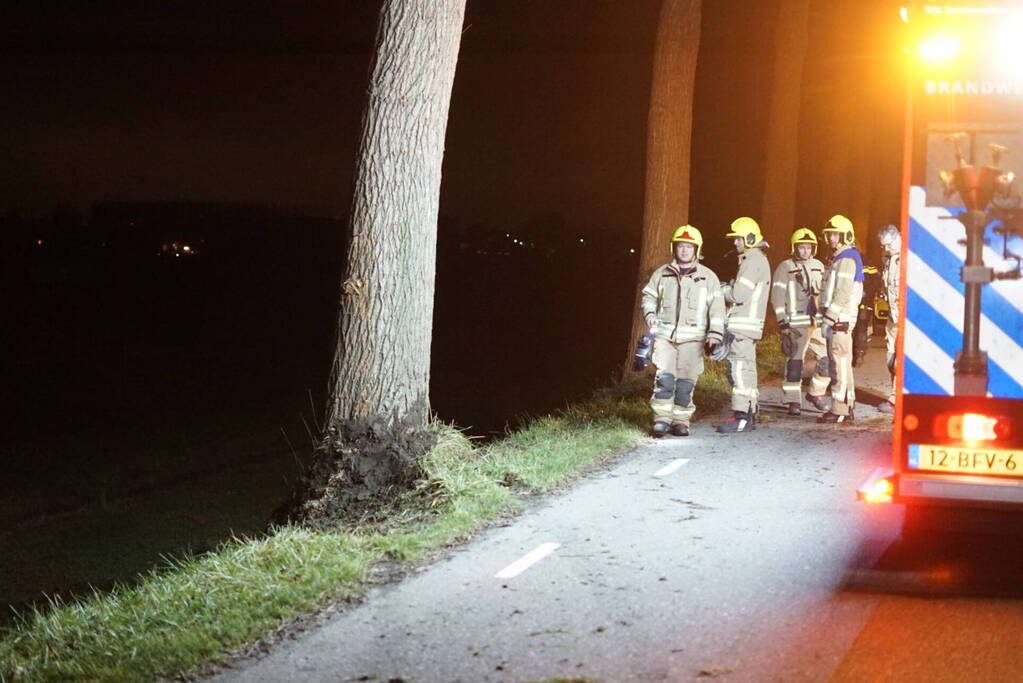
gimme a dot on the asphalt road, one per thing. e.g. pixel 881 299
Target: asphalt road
pixel 738 558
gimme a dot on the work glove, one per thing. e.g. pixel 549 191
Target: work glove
pixel 651 321
pixel 783 325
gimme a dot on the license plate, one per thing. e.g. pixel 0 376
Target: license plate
pixel 966 460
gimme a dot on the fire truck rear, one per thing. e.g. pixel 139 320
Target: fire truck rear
pixel 958 423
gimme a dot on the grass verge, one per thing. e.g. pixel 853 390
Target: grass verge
pixel 197 609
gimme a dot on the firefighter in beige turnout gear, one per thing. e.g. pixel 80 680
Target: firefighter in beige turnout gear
pixel 746 297
pixel 794 297
pixel 840 298
pixel 683 308
pixel 891 244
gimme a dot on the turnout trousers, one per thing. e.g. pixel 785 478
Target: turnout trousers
pixel 843 387
pixel 678 365
pixel 742 374
pixel 795 342
pixel 891 338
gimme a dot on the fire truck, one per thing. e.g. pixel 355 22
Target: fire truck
pixel 957 441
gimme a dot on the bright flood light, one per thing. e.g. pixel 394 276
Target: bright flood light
pixel 941 49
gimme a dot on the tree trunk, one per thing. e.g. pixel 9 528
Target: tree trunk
pixel 778 212
pixel 379 404
pixel 669 133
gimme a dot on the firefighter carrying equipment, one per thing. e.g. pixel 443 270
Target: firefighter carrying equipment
pixel 688 233
pixel 685 307
pixel 843 226
pixel 748 229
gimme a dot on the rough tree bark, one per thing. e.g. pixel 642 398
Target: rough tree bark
pixel 778 212
pixel 376 425
pixel 669 133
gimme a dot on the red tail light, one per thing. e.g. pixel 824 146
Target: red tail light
pixel 972 427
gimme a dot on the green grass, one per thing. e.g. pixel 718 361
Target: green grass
pixel 197 609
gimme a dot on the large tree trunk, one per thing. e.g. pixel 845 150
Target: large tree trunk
pixel 669 133
pixel 379 405
pixel 778 212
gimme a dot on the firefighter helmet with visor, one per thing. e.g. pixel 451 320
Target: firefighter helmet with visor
pixel 688 233
pixel 747 229
pixel 803 236
pixel 843 226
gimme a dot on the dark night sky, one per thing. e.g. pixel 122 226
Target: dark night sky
pixel 261 101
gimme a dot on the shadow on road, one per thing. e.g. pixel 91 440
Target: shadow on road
pixel 943 553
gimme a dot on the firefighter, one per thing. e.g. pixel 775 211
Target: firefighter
pixel 840 299
pixel 683 308
pixel 891 245
pixel 794 291
pixel 746 297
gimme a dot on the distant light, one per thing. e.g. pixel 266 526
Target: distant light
pixel 186 248
pixel 904 14
pixel 940 49
pixel 39 242
pixel 632 251
pixel 507 234
pixel 581 239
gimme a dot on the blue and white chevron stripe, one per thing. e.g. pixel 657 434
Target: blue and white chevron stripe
pixel 934 305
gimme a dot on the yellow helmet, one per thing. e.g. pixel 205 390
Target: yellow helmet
pixel 843 226
pixel 688 233
pixel 803 236
pixel 747 229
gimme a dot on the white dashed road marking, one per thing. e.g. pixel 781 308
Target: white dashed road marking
pixel 671 467
pixel 526 561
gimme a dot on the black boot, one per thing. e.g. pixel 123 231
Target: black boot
pixel 679 429
pixel 817 402
pixel 834 418
pixel 794 409
pixel 740 421
pixel 659 429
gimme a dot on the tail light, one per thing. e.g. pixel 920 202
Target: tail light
pixel 972 427
pixel 878 488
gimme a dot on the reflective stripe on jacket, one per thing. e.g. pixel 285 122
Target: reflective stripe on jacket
pixel 687 303
pixel 843 287
pixel 890 277
pixel 747 294
pixel 794 290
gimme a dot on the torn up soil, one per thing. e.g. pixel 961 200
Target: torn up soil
pixel 362 467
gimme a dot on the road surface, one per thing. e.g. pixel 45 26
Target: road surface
pixel 736 558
